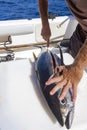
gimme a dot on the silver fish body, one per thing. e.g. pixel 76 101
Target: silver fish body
pixel 63 110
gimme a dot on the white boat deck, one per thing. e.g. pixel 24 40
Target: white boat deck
pixel 22 105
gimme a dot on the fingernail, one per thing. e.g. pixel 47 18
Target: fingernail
pixel 46 83
pixel 51 93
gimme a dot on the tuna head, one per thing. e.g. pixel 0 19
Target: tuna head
pixel 46 64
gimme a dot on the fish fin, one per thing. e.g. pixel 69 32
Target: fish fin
pixel 61 55
pixel 35 58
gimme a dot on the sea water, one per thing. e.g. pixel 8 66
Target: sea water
pixel 28 9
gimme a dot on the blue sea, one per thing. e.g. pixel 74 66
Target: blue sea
pixel 28 9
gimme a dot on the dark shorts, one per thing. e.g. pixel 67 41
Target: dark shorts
pixel 77 40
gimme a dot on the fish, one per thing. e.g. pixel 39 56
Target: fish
pixel 47 65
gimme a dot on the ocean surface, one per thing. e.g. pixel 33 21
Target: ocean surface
pixel 28 9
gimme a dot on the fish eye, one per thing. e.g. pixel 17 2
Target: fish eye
pixel 62 102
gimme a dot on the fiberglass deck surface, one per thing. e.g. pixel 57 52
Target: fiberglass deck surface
pixel 22 105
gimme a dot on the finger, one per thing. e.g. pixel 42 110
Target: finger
pixel 45 38
pixel 54 80
pixel 61 68
pixel 65 90
pixel 58 86
pixel 74 92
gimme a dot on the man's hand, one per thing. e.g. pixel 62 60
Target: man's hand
pixel 70 77
pixel 46 32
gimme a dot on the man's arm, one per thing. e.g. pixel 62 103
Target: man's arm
pixel 81 58
pixel 43 8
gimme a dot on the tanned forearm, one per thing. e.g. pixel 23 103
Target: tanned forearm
pixel 81 58
pixel 43 7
